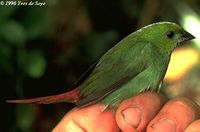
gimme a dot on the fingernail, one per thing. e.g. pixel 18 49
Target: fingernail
pixel 132 116
pixel 164 125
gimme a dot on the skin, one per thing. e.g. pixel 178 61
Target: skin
pixel 158 114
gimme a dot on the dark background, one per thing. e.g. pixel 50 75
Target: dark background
pixel 44 50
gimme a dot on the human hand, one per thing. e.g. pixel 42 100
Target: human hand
pixel 147 111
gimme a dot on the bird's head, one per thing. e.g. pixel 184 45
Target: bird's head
pixel 165 35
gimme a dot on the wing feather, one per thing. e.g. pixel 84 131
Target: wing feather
pixel 117 67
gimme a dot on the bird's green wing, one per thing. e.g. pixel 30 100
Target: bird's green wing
pixel 117 67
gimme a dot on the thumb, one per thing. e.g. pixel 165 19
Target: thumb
pixel 135 113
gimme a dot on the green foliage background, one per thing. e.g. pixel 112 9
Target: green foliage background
pixel 44 50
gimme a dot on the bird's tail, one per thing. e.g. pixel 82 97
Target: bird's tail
pixel 70 97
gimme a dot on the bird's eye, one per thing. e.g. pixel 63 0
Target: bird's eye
pixel 170 34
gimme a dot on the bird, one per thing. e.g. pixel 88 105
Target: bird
pixel 136 64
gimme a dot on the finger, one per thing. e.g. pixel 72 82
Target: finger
pixel 135 113
pixel 88 119
pixel 194 126
pixel 175 116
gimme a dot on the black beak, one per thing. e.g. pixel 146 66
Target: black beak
pixel 186 36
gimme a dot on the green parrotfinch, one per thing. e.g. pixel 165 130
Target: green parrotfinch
pixel 135 64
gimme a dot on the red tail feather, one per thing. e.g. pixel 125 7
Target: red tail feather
pixel 71 97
